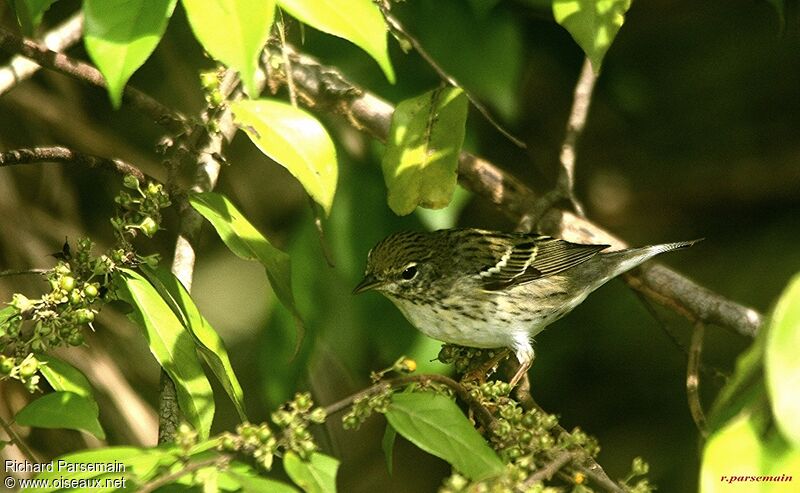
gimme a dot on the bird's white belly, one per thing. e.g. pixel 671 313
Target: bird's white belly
pixel 457 328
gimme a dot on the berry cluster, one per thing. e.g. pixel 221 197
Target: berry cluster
pixel 79 284
pixel 292 420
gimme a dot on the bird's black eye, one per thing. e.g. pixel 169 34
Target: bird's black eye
pixel 410 272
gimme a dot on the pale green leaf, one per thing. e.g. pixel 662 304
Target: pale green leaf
pixel 208 341
pixel 62 410
pixel 744 448
pixel 358 21
pixel 782 365
pixel 173 347
pixel 315 475
pixel 593 24
pixel 120 35
pixel 421 159
pixel 435 424
pixel 294 139
pixel 244 240
pixel 233 32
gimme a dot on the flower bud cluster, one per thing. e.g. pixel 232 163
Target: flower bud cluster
pixel 363 407
pixel 138 212
pixel 291 432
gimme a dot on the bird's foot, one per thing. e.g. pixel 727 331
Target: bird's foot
pixel 486 368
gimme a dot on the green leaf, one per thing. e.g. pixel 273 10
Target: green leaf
pixel 294 139
pixel 593 24
pixel 233 32
pixel 247 243
pixel 173 347
pixel 120 35
pixel 435 424
pixel 387 444
pixel 252 483
pixel 208 341
pixel 134 465
pixel 781 364
pixel 358 21
pixel 421 158
pixel 62 410
pixel 29 13
pixel 6 314
pixel 64 377
pixel 316 475
pixel 745 447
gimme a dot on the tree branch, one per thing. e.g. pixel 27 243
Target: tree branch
pixel 60 38
pixel 13 44
pixel 57 154
pixel 325 89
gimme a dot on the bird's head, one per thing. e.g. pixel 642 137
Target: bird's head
pixel 400 265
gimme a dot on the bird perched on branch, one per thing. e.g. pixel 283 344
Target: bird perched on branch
pixel 487 289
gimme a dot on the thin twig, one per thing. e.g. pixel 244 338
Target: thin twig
pixel 20 443
pixel 57 154
pixel 59 38
pixel 59 62
pixel 693 379
pixel 565 183
pixel 217 462
pixel 13 272
pixel 547 472
pixel 397 28
pixel 485 418
pixel 287 64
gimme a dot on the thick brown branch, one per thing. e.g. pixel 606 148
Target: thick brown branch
pixel 326 89
pixel 69 156
pixel 13 44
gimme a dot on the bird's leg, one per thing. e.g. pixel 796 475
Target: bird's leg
pixel 485 369
pixel 523 368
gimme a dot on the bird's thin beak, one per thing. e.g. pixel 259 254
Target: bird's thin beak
pixel 369 282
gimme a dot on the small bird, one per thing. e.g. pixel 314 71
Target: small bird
pixel 487 289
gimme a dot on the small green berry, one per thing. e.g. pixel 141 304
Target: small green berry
pixel 84 316
pixel 75 339
pixel 6 364
pixel 131 182
pixel 90 291
pixel 148 226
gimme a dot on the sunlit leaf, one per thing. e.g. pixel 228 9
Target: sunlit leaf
pixel 358 21
pixel 173 347
pixel 435 424
pixel 421 158
pixel 782 365
pixel 64 377
pixel 62 410
pixel 593 24
pixel 234 32
pixel 315 475
pixel 294 139
pixel 120 35
pixel 209 343
pixel 745 447
pixel 253 483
